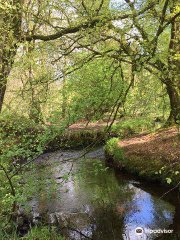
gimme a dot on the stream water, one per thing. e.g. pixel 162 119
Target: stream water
pixel 100 203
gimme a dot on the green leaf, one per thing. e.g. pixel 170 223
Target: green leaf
pixel 168 180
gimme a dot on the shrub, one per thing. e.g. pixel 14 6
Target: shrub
pixel 111 145
pixel 131 126
pixel 113 150
pixel 21 140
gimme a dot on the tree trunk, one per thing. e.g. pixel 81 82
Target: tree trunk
pixel 10 25
pixel 173 80
pixel 34 105
pixel 174 96
pixel 3 83
pixel 6 61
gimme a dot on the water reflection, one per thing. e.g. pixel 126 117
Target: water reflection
pixel 106 206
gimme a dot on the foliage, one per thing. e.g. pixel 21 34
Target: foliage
pixel 113 150
pixel 111 145
pixel 94 89
pixel 21 140
pixel 130 126
pixel 43 233
pixel 36 233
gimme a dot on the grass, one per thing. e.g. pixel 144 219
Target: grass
pixel 131 126
pixel 36 233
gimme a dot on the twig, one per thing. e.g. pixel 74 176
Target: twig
pixel 13 192
pixel 169 191
pixel 75 230
pixel 23 165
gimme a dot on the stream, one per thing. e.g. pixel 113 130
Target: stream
pixel 93 201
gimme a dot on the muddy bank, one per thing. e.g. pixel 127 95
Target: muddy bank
pixel 154 156
pixel 77 139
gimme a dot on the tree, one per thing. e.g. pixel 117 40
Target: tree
pixel 169 72
pixel 47 24
pixel 145 41
pixel 148 49
pixel 94 89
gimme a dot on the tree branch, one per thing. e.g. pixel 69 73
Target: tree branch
pixel 88 24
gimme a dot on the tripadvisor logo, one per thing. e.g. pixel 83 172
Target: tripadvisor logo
pixel 139 231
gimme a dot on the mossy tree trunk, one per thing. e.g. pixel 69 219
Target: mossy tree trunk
pixel 35 103
pixel 10 27
pixel 173 80
pixel 174 96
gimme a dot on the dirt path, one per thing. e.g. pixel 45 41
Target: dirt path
pixel 85 125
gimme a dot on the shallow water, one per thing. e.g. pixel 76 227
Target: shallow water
pixel 102 204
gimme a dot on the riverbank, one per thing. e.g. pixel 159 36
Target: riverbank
pixel 154 156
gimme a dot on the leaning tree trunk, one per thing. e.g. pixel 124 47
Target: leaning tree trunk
pixel 3 82
pixel 6 61
pixel 10 26
pixel 173 81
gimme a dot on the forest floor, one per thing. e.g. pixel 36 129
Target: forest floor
pixel 90 125
pixel 86 125
pixel 164 144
